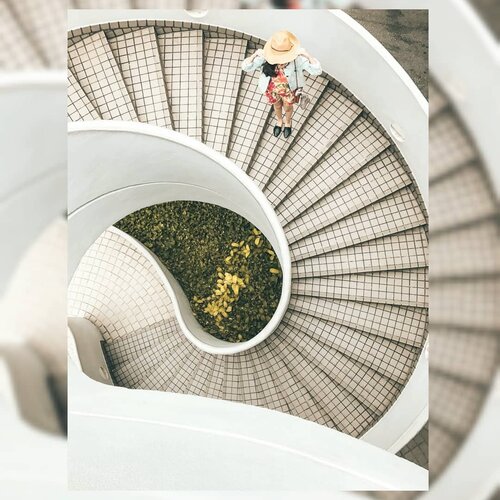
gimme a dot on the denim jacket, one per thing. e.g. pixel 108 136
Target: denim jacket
pixel 295 78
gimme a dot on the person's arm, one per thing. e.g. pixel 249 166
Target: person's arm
pixel 310 63
pixel 255 61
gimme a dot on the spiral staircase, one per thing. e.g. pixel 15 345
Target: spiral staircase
pixel 351 211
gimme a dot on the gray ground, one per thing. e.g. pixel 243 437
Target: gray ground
pixel 404 33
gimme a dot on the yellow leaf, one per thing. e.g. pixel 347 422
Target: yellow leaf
pixel 274 271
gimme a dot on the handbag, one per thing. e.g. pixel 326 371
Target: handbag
pixel 301 98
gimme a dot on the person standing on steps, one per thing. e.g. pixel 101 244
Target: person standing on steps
pixel 282 64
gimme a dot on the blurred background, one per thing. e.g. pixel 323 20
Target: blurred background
pixel 464 342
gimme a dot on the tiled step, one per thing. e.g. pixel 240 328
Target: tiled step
pixel 406 288
pixel 360 144
pixel 201 376
pixel 222 76
pixel 160 376
pixel 251 389
pixel 45 24
pixel 437 101
pixel 381 177
pixel 398 212
pixel 137 55
pixel 465 355
pixel 328 121
pixel 79 106
pixel 464 399
pixel 403 250
pixel 299 400
pixel 467 251
pixel 385 357
pixel 214 386
pixel 372 389
pixel 271 150
pixel 444 446
pixel 468 304
pixel 95 68
pixel 131 373
pixel 181 381
pixel 264 379
pixel 16 51
pixel 449 146
pixel 333 400
pixel 461 198
pixel 250 117
pixel 232 382
pixel 182 57
pixel 405 325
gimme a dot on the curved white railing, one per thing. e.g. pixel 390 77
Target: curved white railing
pixel 347 52
pixel 106 185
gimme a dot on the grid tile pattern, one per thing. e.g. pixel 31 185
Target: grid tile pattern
pixel 399 251
pixel 79 106
pixel 215 384
pixel 232 383
pixel 181 381
pixel 201 376
pixel 16 51
pixel 443 447
pixel 182 56
pixel 271 149
pixel 374 391
pixel 385 357
pixel 461 198
pixel 95 68
pixel 117 289
pixel 417 450
pixel 250 117
pixel 382 176
pixel 137 55
pixel 449 146
pixel 406 325
pixel 397 212
pixel 388 287
pixel 362 142
pixel 222 77
pixel 328 121
pixel 45 23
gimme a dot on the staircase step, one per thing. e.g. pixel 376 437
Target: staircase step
pixel 95 68
pixel 381 177
pixel 137 55
pixel 467 251
pixel 251 389
pixel 45 24
pixel 437 101
pixel 201 376
pixel 182 56
pixel 300 402
pixel 444 446
pixel 328 121
pixel 360 144
pixel 79 106
pixel 271 150
pixel 404 250
pixel 182 379
pixel 461 198
pixel 385 357
pixel 406 288
pixel 405 325
pixel 455 403
pixel 232 382
pixel 397 212
pixel 372 389
pixel 16 51
pixel 449 146
pixel 215 384
pixel 222 78
pixel 464 354
pixel 250 117
pixel 343 409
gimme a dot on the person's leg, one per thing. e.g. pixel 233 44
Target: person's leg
pixel 278 109
pixel 288 115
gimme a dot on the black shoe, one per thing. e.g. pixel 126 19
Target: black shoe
pixel 287 132
pixel 277 130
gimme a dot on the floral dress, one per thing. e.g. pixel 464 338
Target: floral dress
pixel 278 88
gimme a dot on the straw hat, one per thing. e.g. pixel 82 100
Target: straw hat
pixel 281 48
